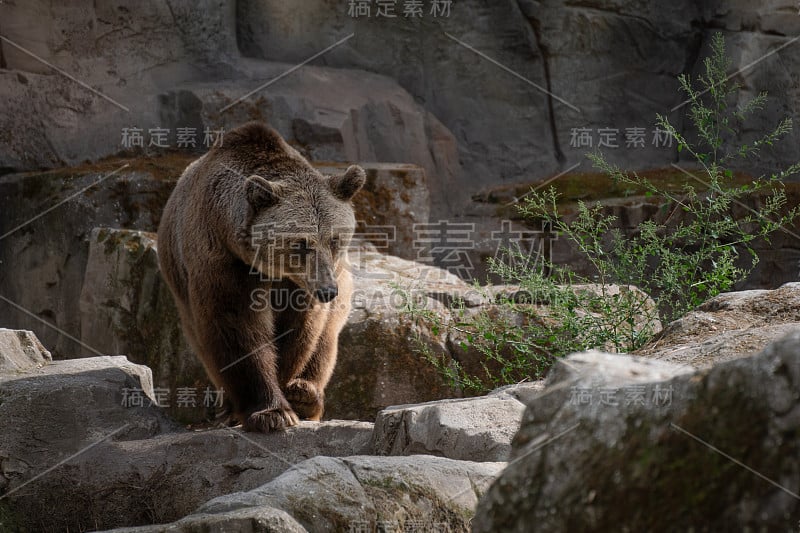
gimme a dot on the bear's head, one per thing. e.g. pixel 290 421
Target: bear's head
pixel 301 227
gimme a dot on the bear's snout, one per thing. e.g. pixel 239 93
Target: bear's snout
pixel 327 293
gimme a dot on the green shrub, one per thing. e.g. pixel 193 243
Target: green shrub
pixel 699 245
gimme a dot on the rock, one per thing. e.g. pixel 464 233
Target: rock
pixel 716 444
pixel 185 82
pixel 87 42
pixel 487 119
pixel 729 326
pixel 266 519
pixel 43 260
pixel 168 476
pixel 126 308
pixel 70 403
pixel 359 492
pixel 588 368
pixel 472 429
pixel 619 72
pixel 379 361
pixel 760 32
pixel 360 116
pixel 57 412
pixel 83 455
pixel 21 351
pixel 485 145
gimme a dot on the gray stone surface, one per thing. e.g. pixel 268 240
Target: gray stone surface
pixel 255 519
pixel 20 351
pixel 43 262
pixel 378 362
pixel 593 64
pixel 329 494
pixel 81 456
pixel 127 308
pixel 472 429
pixel 53 414
pixel 606 64
pixel 72 402
pixel 168 476
pixel 185 81
pixel 729 326
pixel 612 370
pixel 705 450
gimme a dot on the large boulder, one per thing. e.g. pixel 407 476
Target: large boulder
pixel 166 477
pixel 506 123
pixel 472 429
pixel 119 79
pixel 531 68
pixel 359 493
pixel 68 404
pixel 712 450
pixel 380 363
pixel 20 351
pixel 46 225
pixel 127 308
pixel 56 411
pixel 728 326
pixel 90 448
pixel 356 116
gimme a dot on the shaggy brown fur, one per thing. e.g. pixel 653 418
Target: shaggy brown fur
pixel 253 245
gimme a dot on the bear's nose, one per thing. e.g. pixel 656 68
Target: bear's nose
pixel 327 293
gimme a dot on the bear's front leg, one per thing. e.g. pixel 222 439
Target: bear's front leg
pixel 262 405
pixel 306 392
pixel 306 389
pixel 242 360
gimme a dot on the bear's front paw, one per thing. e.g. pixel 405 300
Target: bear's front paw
pixel 271 420
pixel 306 399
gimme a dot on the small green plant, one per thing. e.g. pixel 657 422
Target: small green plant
pixel 693 251
pixel 699 245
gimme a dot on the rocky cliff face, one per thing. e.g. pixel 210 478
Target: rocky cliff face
pixel 486 94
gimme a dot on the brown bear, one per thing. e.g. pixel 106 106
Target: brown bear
pixel 253 245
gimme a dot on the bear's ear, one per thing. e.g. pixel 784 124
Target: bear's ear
pixel 262 193
pixel 344 187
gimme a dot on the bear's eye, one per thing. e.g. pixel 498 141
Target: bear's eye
pixel 334 243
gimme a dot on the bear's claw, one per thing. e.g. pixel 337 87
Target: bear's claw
pixel 271 420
